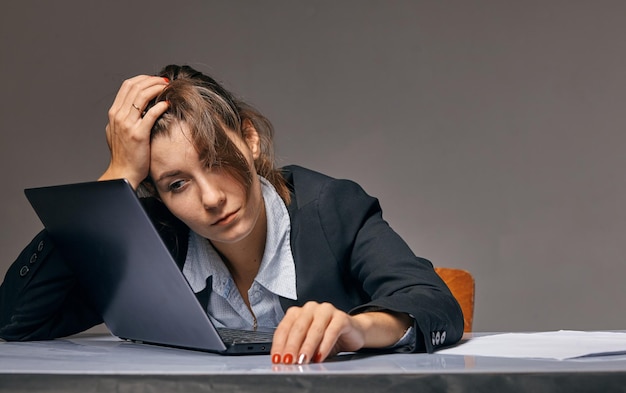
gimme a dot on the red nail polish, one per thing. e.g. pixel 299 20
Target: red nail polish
pixel 166 80
pixel 288 359
pixel 317 358
pixel 276 358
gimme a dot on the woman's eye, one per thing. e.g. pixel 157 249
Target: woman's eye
pixel 176 186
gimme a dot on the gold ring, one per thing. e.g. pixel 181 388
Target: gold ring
pixel 136 107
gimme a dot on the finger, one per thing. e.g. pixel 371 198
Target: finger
pixel 124 90
pixel 128 108
pixel 297 349
pixel 306 335
pixel 134 95
pixel 120 111
pixel 292 331
pixel 301 331
pixel 328 344
pixel 143 92
pixel 153 113
pixel 137 99
pixel 281 334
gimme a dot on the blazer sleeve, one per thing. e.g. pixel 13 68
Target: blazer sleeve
pixel 40 298
pixel 386 268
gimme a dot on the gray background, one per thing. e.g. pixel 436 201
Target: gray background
pixel 491 131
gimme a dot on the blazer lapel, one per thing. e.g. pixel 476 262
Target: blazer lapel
pixel 203 295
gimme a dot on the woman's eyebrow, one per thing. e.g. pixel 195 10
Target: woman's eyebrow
pixel 165 175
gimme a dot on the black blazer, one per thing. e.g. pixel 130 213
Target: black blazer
pixel 345 254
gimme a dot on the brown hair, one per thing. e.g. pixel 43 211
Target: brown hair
pixel 209 110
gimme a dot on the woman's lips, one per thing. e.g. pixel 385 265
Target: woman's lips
pixel 225 219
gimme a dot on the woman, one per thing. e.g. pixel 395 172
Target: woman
pixel 289 248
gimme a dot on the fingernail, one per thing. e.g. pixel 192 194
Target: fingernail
pixel 167 80
pixel 317 358
pixel 288 359
pixel 302 358
pixel 276 358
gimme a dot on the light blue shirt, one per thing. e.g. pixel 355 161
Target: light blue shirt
pixel 276 276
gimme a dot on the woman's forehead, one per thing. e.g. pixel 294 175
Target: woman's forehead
pixel 172 147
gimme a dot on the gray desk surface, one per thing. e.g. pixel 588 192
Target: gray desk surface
pixel 95 363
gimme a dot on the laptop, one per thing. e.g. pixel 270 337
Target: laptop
pixel 127 271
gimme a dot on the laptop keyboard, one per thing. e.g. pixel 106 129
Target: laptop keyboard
pixel 244 336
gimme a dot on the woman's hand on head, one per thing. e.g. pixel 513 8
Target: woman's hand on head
pixel 128 130
pixel 315 331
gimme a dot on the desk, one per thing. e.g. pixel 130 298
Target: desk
pixel 101 363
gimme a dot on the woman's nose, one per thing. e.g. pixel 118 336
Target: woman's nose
pixel 212 196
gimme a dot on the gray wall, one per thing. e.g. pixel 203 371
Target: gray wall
pixel 491 131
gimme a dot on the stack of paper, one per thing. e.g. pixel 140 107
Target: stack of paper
pixel 563 344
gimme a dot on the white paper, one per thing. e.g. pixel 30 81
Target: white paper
pixel 560 345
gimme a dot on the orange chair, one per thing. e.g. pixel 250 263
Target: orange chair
pixel 461 284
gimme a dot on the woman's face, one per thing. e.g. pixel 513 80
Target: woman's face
pixel 210 201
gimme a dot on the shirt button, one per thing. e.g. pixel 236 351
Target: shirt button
pixel 24 271
pixel 33 258
pixel 40 246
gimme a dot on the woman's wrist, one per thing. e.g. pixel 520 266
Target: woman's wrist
pixel 382 329
pixel 113 174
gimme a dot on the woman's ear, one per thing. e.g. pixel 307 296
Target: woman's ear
pixel 251 136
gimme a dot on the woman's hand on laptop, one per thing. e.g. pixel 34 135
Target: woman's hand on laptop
pixel 315 331
pixel 128 130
